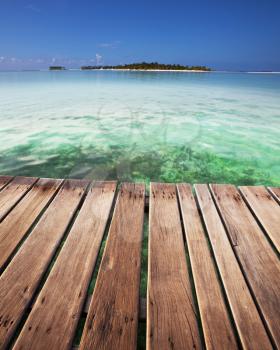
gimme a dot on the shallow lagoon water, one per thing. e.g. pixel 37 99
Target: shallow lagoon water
pixel 141 126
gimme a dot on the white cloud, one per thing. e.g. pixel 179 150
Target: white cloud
pixel 98 59
pixel 2 58
pixel 70 61
pixel 111 45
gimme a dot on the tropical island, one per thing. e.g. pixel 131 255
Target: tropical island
pixel 150 66
pixel 57 68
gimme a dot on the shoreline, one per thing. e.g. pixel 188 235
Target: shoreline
pixel 174 70
pixel 147 70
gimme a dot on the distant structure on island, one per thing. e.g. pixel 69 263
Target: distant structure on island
pixel 57 68
pixel 150 66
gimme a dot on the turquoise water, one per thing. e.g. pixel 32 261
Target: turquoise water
pixel 141 126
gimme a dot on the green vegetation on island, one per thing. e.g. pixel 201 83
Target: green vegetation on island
pixel 150 66
pixel 56 68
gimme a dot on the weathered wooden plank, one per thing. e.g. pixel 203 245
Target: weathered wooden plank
pixel 13 192
pixel 113 314
pixel 16 224
pixel 275 191
pixel 4 180
pixel 23 275
pixel 171 315
pixel 249 325
pixel 142 316
pixel 217 329
pixel 259 262
pixel 266 210
pixel 53 319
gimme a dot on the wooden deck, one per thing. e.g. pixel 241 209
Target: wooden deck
pixel 213 265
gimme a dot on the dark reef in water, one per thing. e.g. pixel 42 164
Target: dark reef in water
pixel 167 163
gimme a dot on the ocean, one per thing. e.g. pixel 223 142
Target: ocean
pixel 141 126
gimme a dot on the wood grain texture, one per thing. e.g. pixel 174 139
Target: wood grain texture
pixel 252 333
pixel 13 192
pixel 53 319
pixel 217 329
pixel 4 180
pixel 171 315
pixel 16 224
pixel 22 276
pixel 275 191
pixel 266 210
pixel 113 314
pixel 258 260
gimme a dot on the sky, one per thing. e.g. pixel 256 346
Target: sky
pixel 221 34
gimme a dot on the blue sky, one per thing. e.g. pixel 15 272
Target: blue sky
pixel 222 34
